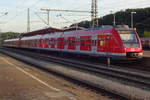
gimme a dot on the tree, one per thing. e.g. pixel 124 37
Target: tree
pixel 141 19
pixel 8 35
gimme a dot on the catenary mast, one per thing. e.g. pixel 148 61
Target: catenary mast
pixel 94 13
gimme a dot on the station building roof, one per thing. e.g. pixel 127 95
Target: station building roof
pixel 49 30
pixel 42 32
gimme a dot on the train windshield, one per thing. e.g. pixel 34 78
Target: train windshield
pixel 129 38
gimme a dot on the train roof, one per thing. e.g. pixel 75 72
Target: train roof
pixel 31 37
pixel 52 30
pixel 8 40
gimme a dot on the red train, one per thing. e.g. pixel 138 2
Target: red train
pixel 119 42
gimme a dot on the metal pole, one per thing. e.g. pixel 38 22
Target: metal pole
pixel 48 23
pixel 131 20
pixel 96 13
pixel 132 26
pixel 108 61
pixel 28 21
pixel 114 19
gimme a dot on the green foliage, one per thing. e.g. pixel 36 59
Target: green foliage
pixel 8 35
pixel 141 19
pixel 146 34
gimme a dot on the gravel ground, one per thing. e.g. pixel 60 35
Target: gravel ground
pixel 16 85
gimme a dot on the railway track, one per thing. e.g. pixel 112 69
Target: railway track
pixel 139 80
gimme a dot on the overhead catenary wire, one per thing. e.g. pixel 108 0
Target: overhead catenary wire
pixel 41 18
pixel 103 9
pixel 19 13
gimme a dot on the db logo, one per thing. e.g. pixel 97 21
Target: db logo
pixel 132 49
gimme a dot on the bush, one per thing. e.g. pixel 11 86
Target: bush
pixel 146 34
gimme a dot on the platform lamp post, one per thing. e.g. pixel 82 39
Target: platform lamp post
pixel 114 17
pixel 132 20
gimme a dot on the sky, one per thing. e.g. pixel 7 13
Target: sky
pixel 16 19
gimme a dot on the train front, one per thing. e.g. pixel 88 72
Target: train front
pixel 131 42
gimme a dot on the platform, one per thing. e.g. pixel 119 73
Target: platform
pixel 19 81
pixel 146 53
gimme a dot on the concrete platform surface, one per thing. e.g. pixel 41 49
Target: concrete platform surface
pixel 19 81
pixel 146 53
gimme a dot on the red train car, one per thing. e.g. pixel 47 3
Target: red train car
pixel 119 42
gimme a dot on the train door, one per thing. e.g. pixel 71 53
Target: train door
pixel 108 45
pixel 103 44
pixel 41 43
pixel 71 43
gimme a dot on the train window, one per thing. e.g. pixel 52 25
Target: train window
pixel 107 38
pixel 82 41
pixel 101 39
pixel 88 41
pixel 47 40
pixel 82 44
pixel 73 42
